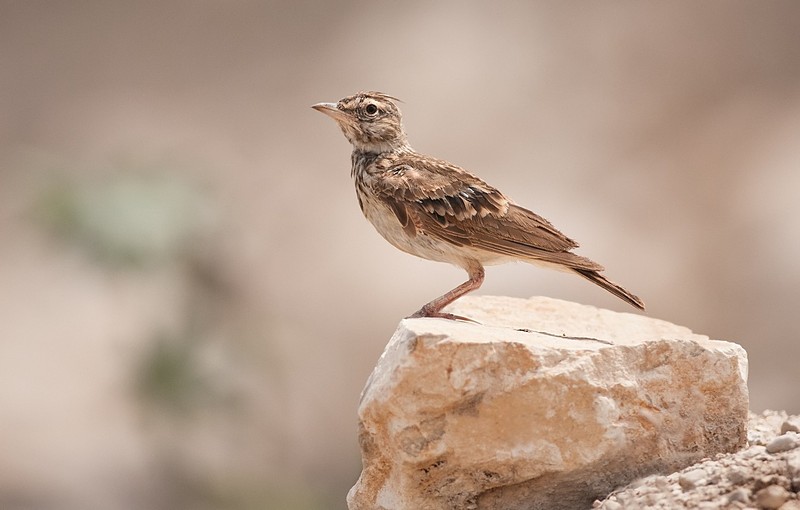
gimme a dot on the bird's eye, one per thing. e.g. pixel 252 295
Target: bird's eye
pixel 371 109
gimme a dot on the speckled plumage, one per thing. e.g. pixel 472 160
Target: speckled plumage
pixel 438 211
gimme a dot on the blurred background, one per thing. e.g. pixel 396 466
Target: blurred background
pixel 190 299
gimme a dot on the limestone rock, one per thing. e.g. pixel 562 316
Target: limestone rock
pixel 546 404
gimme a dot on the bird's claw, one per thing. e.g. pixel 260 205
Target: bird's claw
pixel 440 315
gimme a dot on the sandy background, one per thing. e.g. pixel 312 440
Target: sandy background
pixel 190 300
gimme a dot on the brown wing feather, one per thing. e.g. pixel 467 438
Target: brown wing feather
pixel 439 187
pixel 458 207
pixel 497 235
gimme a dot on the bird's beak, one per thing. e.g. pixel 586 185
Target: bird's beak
pixel 331 111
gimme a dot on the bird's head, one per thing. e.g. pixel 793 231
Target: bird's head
pixel 370 121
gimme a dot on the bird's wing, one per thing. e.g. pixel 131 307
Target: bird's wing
pixel 439 188
pixel 446 202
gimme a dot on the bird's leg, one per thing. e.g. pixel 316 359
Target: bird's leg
pixel 434 308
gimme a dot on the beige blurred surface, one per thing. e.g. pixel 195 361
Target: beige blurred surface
pixel 190 300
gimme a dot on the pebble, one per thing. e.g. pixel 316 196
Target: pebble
pixel 737 475
pixel 753 451
pixel 611 505
pixel 791 425
pixel 793 464
pixel 661 482
pixel 774 419
pixel 741 495
pixel 782 443
pixel 771 497
pixel 692 479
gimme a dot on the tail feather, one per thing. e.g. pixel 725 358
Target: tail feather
pixel 602 281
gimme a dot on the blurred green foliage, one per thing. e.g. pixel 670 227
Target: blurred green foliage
pixel 128 220
pixel 170 377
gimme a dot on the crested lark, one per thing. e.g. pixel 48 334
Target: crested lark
pixel 438 211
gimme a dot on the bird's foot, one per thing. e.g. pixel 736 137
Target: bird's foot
pixel 439 315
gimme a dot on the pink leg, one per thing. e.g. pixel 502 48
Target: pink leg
pixel 433 309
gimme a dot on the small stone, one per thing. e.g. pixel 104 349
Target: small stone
pixel 661 483
pixel 771 497
pixel 782 443
pixel 775 418
pixel 790 505
pixel 770 479
pixel 611 505
pixel 791 424
pixel 793 464
pixel 753 451
pixel 741 495
pixel 737 476
pixel 652 499
pixel 692 479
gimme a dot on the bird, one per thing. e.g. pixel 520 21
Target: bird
pixel 438 211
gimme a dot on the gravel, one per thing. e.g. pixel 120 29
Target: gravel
pixel 763 475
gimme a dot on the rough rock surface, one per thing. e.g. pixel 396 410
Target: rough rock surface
pixel 765 475
pixel 545 404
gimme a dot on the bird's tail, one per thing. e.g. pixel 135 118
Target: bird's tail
pixel 602 281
